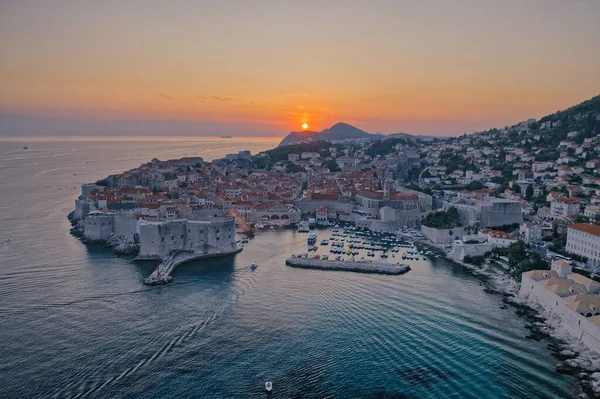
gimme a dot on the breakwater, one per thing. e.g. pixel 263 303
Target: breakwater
pixel 366 267
pixel 162 274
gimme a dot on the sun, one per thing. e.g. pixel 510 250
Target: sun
pixel 305 126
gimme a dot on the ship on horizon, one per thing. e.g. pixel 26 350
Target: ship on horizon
pixel 226 137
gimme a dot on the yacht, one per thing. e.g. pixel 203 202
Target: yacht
pixel 303 227
pixel 268 386
pixel 312 238
pixel 312 222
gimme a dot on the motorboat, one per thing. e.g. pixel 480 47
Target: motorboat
pixel 268 386
pixel 303 227
pixel 253 266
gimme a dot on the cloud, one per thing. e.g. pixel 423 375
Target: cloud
pixel 165 96
pixel 223 98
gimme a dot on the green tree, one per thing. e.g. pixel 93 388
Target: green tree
pixel 529 192
pixel 332 166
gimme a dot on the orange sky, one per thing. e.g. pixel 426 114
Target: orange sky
pixel 419 67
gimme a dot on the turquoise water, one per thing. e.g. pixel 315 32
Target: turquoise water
pixel 78 322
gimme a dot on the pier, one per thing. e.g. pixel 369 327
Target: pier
pixel 162 274
pixel 359 267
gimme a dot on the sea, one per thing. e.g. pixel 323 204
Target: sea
pixel 77 321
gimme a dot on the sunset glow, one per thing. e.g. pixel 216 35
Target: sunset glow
pixel 205 65
pixel 305 126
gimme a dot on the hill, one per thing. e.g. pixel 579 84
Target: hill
pixel 339 131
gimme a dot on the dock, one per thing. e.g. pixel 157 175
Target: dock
pixel 162 274
pixel 349 266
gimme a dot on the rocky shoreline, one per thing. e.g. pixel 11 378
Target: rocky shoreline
pixel 366 267
pixel 572 356
pixel 119 244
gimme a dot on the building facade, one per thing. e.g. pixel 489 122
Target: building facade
pixel 583 239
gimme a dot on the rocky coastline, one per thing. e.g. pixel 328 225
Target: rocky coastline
pixel 572 356
pixel 119 244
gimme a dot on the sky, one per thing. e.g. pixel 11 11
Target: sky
pixel 265 67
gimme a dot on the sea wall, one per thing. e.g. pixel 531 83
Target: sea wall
pixel 442 236
pixel 101 227
pixel 158 238
pixel 366 267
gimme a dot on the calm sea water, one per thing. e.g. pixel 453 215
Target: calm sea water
pixel 78 321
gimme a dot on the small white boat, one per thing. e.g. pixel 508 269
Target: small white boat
pixel 268 386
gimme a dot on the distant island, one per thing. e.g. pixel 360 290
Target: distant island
pixel 226 137
pixel 339 132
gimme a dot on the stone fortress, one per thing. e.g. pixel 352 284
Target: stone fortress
pixel 201 232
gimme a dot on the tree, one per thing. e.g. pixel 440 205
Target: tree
pixel 529 192
pixel 475 185
pixel 293 168
pixel 332 166
pixel 516 252
pixel 501 154
pixel 516 188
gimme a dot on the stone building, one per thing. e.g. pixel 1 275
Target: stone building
pixel 487 211
pixel 572 299
pixel 210 236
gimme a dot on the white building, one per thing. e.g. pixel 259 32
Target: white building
pixel 584 239
pixel 592 211
pixel 310 155
pixel 322 215
pixel 571 298
pixel 496 238
pixel 560 208
pixel 531 232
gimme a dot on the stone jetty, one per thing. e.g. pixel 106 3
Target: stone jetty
pixel 162 274
pixel 366 267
